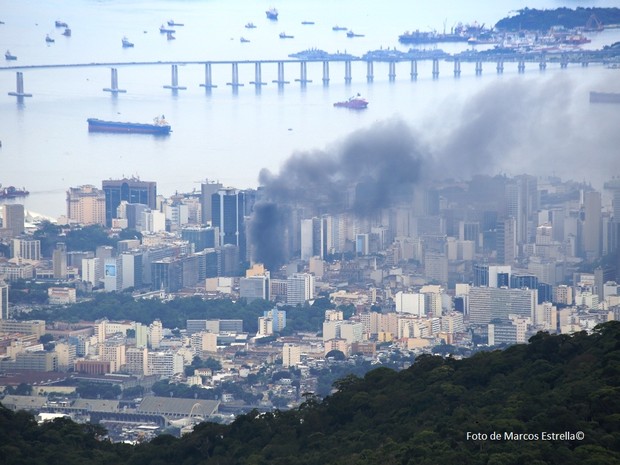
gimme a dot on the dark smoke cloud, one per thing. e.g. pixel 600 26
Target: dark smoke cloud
pixel 375 167
pixel 267 231
pixel 378 161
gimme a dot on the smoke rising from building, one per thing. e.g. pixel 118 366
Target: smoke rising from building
pixel 370 170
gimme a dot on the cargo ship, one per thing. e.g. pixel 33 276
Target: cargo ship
pixel 356 102
pixel 12 192
pixel 159 126
pixel 604 97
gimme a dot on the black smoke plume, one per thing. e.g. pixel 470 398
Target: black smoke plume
pixel 370 170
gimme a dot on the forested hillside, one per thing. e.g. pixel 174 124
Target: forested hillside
pixel 531 19
pixel 555 400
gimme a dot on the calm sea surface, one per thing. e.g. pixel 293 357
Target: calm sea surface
pixel 535 122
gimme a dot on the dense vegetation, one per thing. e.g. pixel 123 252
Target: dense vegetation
pixel 554 384
pixel 175 313
pixel 542 20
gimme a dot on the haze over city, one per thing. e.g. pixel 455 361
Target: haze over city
pixel 205 224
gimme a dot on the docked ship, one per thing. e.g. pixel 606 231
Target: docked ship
pixel 159 126
pixel 9 56
pixel 272 13
pixel 58 23
pixel 12 192
pixel 338 28
pixel 357 102
pixel 284 35
pixel 126 43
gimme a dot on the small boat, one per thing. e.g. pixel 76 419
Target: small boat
pixel 126 43
pixel 169 36
pixel 250 26
pixel 60 24
pixel 244 40
pixel 307 22
pixel 9 56
pixel 67 32
pixel 339 28
pixel 172 23
pixel 353 34
pixel 48 39
pixel 284 35
pixel 357 102
pixel 272 13
pixel 164 30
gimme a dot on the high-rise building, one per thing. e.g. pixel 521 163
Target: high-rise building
pixel 13 218
pixel 521 197
pixel 300 288
pixel 592 225
pixel 506 241
pixel 291 355
pixel 86 205
pixel 4 300
pixel 228 213
pixel 131 190
pixel 59 261
pixel 202 237
pixel 133 214
pixel 488 303
pixel 207 189
pixel 156 334
pixel 26 249
pixel 91 271
pixel 254 287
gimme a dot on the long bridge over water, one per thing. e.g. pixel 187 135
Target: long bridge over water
pixel 499 60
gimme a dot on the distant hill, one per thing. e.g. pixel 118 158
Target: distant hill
pixel 542 20
pixel 555 400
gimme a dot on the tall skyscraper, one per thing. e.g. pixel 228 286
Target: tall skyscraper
pixel 506 241
pixel 4 300
pixel 592 225
pixel 59 261
pixel 132 190
pixel 13 218
pixel 207 189
pixel 86 205
pixel 228 210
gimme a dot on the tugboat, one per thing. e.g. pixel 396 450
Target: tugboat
pixel 60 24
pixel 250 26
pixel 169 36
pixel 272 13
pixel 357 102
pixel 126 43
pixel 67 32
pixel 9 56
pixel 48 39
